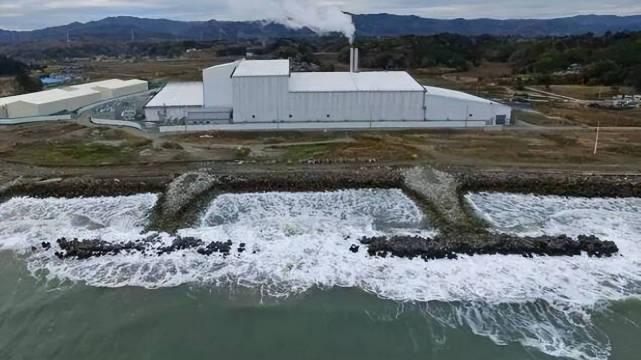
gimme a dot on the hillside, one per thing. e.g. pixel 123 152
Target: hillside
pixel 372 25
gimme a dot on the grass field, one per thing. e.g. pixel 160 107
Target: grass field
pixel 68 144
pixel 584 92
pixel 583 115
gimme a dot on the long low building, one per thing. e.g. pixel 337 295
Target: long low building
pixel 255 92
pixel 67 99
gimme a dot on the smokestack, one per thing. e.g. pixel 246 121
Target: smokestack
pixel 351 59
pixel 356 60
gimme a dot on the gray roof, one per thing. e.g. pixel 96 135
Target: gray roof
pixel 179 94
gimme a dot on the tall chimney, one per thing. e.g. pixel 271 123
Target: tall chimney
pixel 351 59
pixel 355 59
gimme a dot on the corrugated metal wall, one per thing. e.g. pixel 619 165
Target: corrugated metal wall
pixel 217 85
pixel 259 98
pixel 267 99
pixel 354 106
pixel 441 108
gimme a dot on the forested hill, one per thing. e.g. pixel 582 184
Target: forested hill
pixel 126 28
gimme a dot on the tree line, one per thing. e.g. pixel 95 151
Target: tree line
pixel 611 59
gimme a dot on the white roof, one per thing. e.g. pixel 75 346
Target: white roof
pixel 346 81
pixel 235 63
pixel 111 84
pixel 63 93
pixel 435 91
pixel 262 68
pixel 44 97
pixel 179 94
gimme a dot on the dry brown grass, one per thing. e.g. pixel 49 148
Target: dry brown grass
pixel 585 92
pixel 65 143
pixel 182 69
pixel 581 114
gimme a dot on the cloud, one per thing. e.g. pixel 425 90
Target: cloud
pixel 89 4
pixel 318 16
pixel 32 14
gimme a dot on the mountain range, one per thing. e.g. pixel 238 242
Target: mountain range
pixel 370 25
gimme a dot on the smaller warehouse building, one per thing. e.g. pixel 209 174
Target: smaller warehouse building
pixel 67 99
pixel 173 104
pixel 457 106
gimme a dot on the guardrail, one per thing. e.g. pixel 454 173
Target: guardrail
pixel 103 102
pixel 328 125
pixel 116 123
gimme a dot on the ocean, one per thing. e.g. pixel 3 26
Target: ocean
pixel 296 291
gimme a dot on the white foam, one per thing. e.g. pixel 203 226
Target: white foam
pixel 296 241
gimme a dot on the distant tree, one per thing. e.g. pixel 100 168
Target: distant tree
pixel 27 84
pixel 544 79
pixel 519 84
pixel 9 66
pixel 635 78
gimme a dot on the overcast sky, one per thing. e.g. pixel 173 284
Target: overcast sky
pixel 33 14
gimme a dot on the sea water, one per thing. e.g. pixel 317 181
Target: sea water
pixel 297 244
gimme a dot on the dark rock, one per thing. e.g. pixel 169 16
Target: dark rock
pixel 181 243
pixel 449 246
pixel 216 247
pixel 354 248
pixel 85 249
pixel 46 245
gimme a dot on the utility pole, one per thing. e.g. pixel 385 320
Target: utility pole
pixel 596 141
pixel 133 36
pixel 68 38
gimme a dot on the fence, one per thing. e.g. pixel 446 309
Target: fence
pixel 35 119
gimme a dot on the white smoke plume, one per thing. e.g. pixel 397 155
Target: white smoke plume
pixel 297 14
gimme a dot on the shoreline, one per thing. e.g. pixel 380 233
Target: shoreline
pixel 325 178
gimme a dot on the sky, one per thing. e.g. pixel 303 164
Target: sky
pixel 36 14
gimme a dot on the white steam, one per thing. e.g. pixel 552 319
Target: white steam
pixel 298 14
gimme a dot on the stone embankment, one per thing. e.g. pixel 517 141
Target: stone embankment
pixel 438 193
pixel 443 246
pixel 151 246
pixel 191 192
pixel 544 183
pixel 451 245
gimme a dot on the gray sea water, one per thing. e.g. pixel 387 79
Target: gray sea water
pixel 298 292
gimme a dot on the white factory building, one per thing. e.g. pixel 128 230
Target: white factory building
pixel 175 102
pixel 67 99
pixel 264 94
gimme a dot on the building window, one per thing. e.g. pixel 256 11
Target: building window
pixel 291 116
pixel 253 116
pixel 328 116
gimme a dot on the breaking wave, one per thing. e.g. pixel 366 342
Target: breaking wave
pixel 296 241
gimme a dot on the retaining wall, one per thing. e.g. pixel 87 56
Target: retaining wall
pixel 35 119
pixel 116 123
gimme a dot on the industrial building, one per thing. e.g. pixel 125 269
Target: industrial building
pixel 264 94
pixel 67 99
pixel 174 102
